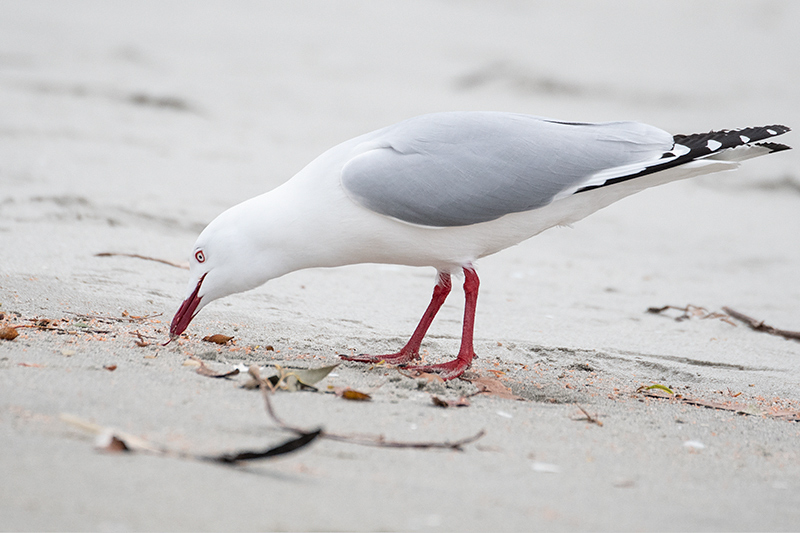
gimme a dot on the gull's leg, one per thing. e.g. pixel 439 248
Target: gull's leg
pixel 456 367
pixel 410 351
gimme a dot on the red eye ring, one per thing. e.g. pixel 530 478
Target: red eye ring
pixel 200 256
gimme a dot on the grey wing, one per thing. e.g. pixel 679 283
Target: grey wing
pixel 455 169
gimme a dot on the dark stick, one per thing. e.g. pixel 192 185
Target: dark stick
pixel 137 256
pixel 364 440
pixel 759 325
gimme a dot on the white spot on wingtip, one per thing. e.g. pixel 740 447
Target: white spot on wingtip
pixel 680 149
pixel 772 132
pixel 713 145
pixel 744 138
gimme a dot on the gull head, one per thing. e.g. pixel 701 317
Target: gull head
pixel 225 260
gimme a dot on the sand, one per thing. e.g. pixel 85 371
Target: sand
pixel 126 127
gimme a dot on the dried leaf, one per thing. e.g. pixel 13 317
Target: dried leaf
pixel 8 333
pixel 105 434
pixel 108 442
pixel 291 379
pixel 311 376
pixel 418 374
pixel 285 379
pixel 110 368
pixel 440 402
pixel 656 386
pixel 204 370
pixel 493 387
pixel 350 394
pixel 217 339
pixel 287 447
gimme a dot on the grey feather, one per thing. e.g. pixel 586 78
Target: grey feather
pixel 454 169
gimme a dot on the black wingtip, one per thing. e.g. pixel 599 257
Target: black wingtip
pixel 701 145
pixel 724 139
pixel 774 147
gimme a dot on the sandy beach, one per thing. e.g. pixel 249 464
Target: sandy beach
pixel 125 128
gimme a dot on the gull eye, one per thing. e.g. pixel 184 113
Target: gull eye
pixel 200 256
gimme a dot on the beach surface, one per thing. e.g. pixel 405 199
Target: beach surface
pixel 125 128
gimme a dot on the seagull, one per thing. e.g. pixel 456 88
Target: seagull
pixel 444 190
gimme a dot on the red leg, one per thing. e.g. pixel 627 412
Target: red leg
pixel 456 367
pixel 410 351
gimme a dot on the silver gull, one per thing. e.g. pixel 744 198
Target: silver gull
pixel 444 190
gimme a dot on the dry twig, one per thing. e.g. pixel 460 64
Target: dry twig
pixel 124 318
pixel 589 418
pixel 137 256
pixel 759 325
pixel 205 370
pixel 734 407
pixel 363 440
pixel 691 311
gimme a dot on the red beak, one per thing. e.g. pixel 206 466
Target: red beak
pixel 186 312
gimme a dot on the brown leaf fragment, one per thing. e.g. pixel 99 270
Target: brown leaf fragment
pixel 289 446
pixel 310 376
pixel 217 339
pixel 493 387
pixel 204 370
pixel 349 394
pixel 111 443
pixel 443 402
pixel 8 333
pixel 288 379
pixel 110 368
